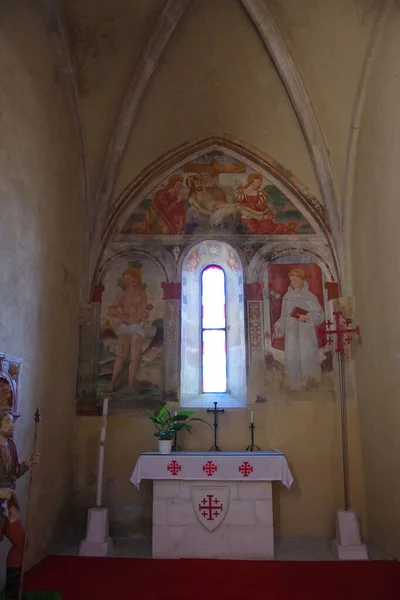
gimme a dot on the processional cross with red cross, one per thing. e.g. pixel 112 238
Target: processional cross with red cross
pixel 343 336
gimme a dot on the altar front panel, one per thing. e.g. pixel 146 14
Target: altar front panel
pixel 213 504
pixel 246 531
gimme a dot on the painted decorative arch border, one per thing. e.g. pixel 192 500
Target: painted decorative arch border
pixel 187 250
pixel 278 50
pixel 161 168
pixel 159 255
pixel 270 253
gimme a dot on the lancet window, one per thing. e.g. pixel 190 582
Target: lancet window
pixel 213 352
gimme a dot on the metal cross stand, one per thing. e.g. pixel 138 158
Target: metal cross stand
pixel 253 447
pixel 215 410
pixel 347 544
pixel 340 333
pixel 175 447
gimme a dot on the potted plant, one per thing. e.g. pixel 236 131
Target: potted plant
pixel 168 424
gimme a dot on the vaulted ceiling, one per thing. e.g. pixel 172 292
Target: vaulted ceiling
pixel 133 70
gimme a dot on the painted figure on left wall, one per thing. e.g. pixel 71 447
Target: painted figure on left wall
pixel 131 332
pixel 10 522
pixel 131 309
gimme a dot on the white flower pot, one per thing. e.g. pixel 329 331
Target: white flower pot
pixel 164 446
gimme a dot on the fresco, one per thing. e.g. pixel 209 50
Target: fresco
pixel 216 193
pixel 130 341
pixel 296 345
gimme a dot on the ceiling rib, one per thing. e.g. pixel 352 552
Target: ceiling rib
pixel 273 40
pixel 66 75
pixel 352 142
pixel 166 24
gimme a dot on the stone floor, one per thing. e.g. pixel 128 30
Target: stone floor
pixel 285 549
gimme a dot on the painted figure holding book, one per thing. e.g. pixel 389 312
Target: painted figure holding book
pixel 300 315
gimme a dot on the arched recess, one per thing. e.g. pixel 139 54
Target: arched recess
pixel 190 247
pixel 169 248
pixel 198 257
pixel 269 272
pixel 151 177
pixel 277 250
pixel 159 255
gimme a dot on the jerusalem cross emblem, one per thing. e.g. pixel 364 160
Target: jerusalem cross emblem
pixel 245 469
pixel 174 467
pixel 210 468
pixel 210 505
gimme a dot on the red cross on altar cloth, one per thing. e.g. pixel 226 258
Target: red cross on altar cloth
pixel 209 467
pixel 174 467
pixel 215 466
pixel 245 469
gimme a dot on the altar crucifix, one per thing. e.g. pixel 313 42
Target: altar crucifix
pixel 215 410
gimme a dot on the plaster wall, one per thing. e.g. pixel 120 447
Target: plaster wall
pixel 105 40
pixel 328 41
pixel 215 76
pixel 307 431
pixel 41 248
pixel 375 248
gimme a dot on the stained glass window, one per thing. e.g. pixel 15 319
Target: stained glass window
pixel 213 329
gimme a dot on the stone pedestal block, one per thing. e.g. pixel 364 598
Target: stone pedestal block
pixel 97 541
pixel 348 544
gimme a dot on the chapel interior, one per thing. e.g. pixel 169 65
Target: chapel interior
pixel 105 103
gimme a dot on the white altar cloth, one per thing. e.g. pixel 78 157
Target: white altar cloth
pixel 213 466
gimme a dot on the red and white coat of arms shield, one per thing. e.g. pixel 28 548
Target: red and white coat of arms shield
pixel 210 505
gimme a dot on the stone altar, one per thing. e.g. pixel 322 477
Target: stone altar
pixel 213 504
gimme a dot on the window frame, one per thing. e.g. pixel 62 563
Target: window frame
pixel 224 329
pixel 197 257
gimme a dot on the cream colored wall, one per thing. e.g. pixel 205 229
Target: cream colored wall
pixel 375 248
pixel 307 431
pixel 215 76
pixel 40 246
pixel 328 41
pixel 105 39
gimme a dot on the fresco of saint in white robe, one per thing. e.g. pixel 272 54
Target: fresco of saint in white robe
pixel 302 358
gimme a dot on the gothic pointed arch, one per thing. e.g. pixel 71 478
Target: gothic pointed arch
pixel 214 202
pixel 230 161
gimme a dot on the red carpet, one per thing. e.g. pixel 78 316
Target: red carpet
pixel 78 578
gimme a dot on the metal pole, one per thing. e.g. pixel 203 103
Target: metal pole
pixel 343 416
pixel 101 453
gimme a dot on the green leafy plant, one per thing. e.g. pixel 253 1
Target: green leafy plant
pixel 167 424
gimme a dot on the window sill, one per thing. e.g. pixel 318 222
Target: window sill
pixel 207 401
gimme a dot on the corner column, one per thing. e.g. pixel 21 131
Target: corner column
pixel 172 316
pixel 254 298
